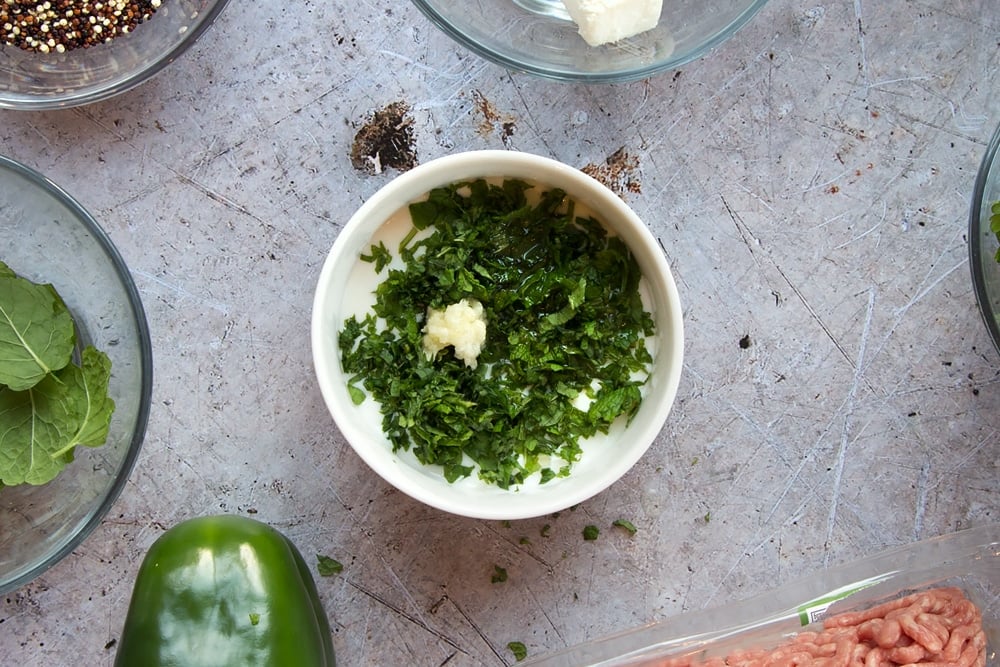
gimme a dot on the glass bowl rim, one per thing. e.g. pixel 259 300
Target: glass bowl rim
pixel 91 521
pixel 977 266
pixel 567 75
pixel 108 89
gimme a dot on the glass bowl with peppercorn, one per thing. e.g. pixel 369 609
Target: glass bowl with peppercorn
pixel 63 53
pixel 497 334
pixel 984 234
pixel 75 374
pixel 589 41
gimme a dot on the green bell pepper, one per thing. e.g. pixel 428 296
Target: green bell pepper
pixel 221 591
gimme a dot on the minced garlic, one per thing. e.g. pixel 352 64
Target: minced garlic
pixel 461 325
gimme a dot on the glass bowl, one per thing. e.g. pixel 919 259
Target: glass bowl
pixel 538 37
pixel 50 238
pixel 346 288
pixel 983 242
pixel 32 80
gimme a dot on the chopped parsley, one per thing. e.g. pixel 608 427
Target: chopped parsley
pixel 327 567
pixel 566 327
pixel 626 524
pixel 519 650
pixel 499 575
pixel 591 532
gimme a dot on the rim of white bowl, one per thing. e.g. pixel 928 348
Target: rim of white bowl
pixel 355 237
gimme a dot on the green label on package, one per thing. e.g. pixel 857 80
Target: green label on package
pixel 814 610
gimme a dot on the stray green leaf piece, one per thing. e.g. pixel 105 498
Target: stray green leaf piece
pixel 708 517
pixel 327 567
pixel 591 532
pixel 254 618
pixel 36 331
pixel 519 650
pixel 544 531
pixel 626 524
pixel 524 540
pixel 499 575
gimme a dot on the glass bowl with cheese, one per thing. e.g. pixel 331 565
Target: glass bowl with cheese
pixel 441 389
pixel 596 41
pixel 66 54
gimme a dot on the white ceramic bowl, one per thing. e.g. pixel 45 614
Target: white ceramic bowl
pixel 346 282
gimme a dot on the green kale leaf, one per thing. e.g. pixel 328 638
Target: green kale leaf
pixel 43 425
pixel 36 331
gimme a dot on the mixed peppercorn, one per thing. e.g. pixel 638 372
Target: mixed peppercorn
pixel 55 26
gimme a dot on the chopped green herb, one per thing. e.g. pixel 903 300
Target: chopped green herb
pixel 499 575
pixel 568 323
pixel 544 531
pixel 519 650
pixel 626 524
pixel 590 533
pixel 524 540
pixel 708 517
pixel 379 256
pixel 48 404
pixel 327 567
pixel 254 618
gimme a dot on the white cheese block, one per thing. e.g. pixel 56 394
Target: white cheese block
pixel 604 21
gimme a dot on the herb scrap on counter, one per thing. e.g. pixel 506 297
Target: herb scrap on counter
pixel 626 524
pixel 499 575
pixel 565 322
pixel 53 396
pixel 519 650
pixel 591 532
pixel 327 567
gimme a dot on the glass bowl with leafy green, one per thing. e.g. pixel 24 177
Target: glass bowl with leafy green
pixel 75 374
pixel 497 334
pixel 984 238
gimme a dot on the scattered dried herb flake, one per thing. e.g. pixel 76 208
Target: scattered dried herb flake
pixel 385 140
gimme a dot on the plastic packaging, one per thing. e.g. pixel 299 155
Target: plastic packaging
pixel 969 560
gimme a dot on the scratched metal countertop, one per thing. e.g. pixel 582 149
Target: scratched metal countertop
pixel 810 183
